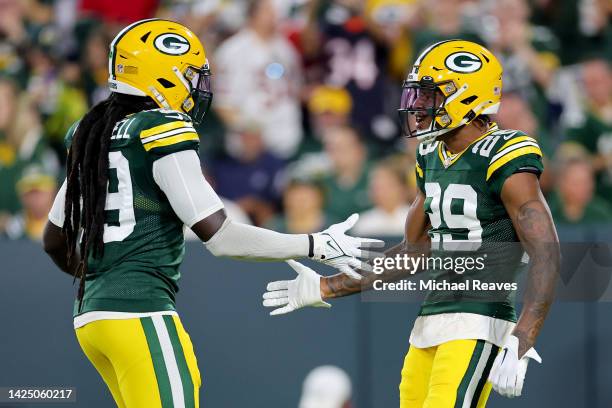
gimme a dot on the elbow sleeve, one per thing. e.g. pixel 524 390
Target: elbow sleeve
pixel 248 242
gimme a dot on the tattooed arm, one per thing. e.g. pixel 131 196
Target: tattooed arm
pixel 415 237
pixel 531 217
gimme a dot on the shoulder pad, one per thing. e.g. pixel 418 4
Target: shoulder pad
pixel 161 128
pixel 161 114
pixel 512 145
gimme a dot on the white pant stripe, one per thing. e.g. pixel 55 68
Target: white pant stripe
pixel 176 386
pixel 482 362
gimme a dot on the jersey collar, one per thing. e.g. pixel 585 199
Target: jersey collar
pixel 448 159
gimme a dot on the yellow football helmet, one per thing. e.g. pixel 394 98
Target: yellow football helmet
pixel 165 61
pixel 451 83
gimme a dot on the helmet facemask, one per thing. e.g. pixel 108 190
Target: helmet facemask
pixel 422 110
pixel 200 95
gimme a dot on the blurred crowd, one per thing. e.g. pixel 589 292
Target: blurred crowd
pixel 303 128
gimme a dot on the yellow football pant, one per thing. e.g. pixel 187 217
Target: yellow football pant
pixel 145 362
pixel 450 375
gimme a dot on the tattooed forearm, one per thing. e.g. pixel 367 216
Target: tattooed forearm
pixel 343 285
pixel 415 240
pixel 536 230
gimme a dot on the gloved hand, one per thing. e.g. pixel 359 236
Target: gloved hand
pixel 508 372
pixel 343 252
pixel 304 290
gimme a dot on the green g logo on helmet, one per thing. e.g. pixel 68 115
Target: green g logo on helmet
pixel 172 44
pixel 463 62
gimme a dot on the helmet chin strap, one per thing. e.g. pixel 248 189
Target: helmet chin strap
pixel 430 137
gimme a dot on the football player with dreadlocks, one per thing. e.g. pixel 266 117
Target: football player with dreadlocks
pixel 134 179
pixel 477 188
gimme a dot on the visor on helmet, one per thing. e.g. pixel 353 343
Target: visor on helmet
pixel 421 104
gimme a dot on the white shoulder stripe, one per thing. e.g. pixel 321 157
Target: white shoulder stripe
pixel 185 129
pixel 511 148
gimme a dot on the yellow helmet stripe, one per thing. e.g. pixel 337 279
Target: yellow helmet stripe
pixel 167 141
pixel 164 128
pixel 113 45
pixel 510 156
pixel 516 140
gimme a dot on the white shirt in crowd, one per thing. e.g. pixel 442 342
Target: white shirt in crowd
pixel 260 80
pixel 378 223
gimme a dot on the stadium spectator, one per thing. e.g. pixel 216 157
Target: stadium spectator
pixel 13 40
pixel 346 188
pixel 326 387
pixel 515 113
pixel 112 11
pixel 582 26
pixel 258 78
pixel 528 53
pixel 575 201
pixel 249 175
pixel 390 193
pixel 36 193
pixel 302 208
pixel 21 143
pixel 593 129
pixel 327 107
pixel 443 20
pixel 392 22
pixel 344 53
pixel 54 86
pixel 95 64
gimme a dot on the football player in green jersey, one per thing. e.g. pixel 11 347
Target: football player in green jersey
pixel 134 179
pixel 477 188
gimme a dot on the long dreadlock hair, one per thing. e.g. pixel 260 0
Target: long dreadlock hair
pixel 87 177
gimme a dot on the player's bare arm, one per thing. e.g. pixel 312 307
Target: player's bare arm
pixel 55 245
pixel 415 236
pixel 531 217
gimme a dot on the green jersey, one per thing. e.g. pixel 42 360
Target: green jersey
pixel 469 220
pixel 143 237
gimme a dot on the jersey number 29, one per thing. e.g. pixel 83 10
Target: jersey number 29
pixel 466 220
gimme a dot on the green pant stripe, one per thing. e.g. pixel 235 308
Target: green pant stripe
pixel 161 373
pixel 181 362
pixel 485 376
pixel 469 373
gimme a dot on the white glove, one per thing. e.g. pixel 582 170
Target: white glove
pixel 508 372
pixel 305 290
pixel 343 252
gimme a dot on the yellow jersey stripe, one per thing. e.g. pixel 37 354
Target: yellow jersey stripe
pixel 510 156
pixel 419 170
pixel 164 128
pixel 440 151
pixel 511 148
pixel 516 140
pixel 167 141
